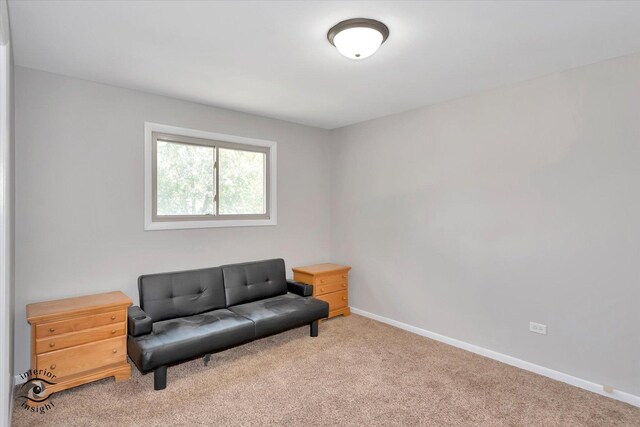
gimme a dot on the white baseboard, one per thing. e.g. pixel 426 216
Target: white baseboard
pixel 509 360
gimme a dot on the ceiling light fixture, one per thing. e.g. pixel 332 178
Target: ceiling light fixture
pixel 358 38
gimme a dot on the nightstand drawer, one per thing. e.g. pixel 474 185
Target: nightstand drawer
pixel 330 283
pixel 328 280
pixel 336 300
pixel 79 323
pixel 84 357
pixel 333 287
pixel 58 342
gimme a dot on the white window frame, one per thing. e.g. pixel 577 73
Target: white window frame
pixel 164 224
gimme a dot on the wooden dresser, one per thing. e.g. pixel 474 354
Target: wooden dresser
pixel 80 339
pixel 330 283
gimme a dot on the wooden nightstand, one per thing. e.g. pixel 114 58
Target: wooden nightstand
pixel 330 283
pixel 80 339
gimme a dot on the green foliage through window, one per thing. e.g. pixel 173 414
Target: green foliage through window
pixel 185 179
pixel 242 182
pixel 186 186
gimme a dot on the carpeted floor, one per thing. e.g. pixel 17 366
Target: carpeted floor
pixel 357 372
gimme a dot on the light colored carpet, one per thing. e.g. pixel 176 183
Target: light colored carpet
pixel 357 372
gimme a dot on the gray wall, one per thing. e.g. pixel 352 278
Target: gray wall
pixel 474 217
pixel 468 219
pixel 79 185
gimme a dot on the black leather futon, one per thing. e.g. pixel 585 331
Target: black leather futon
pixel 188 314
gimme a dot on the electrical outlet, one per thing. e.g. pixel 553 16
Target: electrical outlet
pixel 538 328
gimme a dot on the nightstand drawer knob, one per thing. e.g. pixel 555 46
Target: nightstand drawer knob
pixel 113 331
pixel 344 276
pixel 51 330
pixel 321 289
pixel 344 285
pixel 344 298
pixel 115 351
pixel 321 280
pixel 53 366
pixel 52 344
pixel 113 317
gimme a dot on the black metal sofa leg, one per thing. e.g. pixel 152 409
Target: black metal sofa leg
pixel 160 378
pixel 314 329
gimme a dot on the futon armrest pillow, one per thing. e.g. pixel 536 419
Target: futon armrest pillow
pixel 139 322
pixel 299 288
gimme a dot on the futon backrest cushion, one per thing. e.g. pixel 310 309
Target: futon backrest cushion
pixel 251 281
pixel 181 293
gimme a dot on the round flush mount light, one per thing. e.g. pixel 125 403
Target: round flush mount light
pixel 358 38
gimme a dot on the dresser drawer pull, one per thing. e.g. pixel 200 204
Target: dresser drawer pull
pixel 113 331
pixel 115 351
pixel 344 298
pixel 53 366
pixel 321 280
pixel 344 276
pixel 52 344
pixel 321 289
pixel 51 330
pixel 344 285
pixel 113 317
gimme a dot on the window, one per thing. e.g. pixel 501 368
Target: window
pixel 196 179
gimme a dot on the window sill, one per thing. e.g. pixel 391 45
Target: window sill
pixel 181 225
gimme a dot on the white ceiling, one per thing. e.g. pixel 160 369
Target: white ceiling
pixel 272 58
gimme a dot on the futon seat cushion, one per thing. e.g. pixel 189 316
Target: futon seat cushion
pixel 183 338
pixel 283 312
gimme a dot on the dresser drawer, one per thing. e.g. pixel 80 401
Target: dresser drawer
pixel 328 280
pixel 84 357
pixel 332 287
pixel 336 300
pixel 58 342
pixel 79 323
